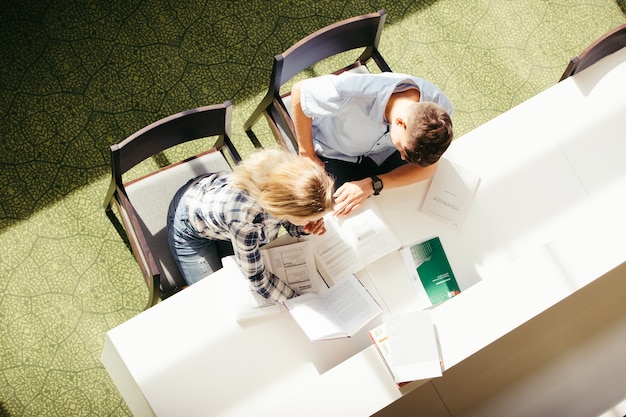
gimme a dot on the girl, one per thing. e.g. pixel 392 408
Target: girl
pixel 220 214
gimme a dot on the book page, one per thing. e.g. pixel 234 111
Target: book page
pixel 450 194
pixel 247 302
pixel 295 265
pixel 252 304
pixel 351 243
pixel 367 233
pixel 413 349
pixel 335 257
pixel 352 305
pixel 380 337
pixel 315 317
pixel 339 311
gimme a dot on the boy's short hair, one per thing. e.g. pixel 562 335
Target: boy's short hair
pixel 431 127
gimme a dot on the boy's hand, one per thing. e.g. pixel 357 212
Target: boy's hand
pixel 352 195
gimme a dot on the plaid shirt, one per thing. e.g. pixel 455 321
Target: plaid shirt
pixel 217 210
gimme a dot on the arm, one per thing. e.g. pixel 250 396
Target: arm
pixel 353 194
pixel 248 254
pixel 303 125
pixel 316 227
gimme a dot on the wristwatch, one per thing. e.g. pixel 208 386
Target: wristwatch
pixel 377 184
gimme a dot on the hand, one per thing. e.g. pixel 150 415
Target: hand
pixel 352 195
pixel 315 228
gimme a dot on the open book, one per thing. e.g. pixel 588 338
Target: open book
pixel 408 345
pixel 338 311
pixel 353 242
pixel 450 194
pixel 293 263
pixel 430 272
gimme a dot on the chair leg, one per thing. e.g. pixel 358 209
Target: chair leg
pixel 154 292
pixel 253 139
pixel 119 228
pixel 172 292
pixel 154 287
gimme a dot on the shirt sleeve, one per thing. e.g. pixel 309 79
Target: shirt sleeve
pixel 293 230
pixel 320 97
pixel 245 239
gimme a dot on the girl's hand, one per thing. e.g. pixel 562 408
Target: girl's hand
pixel 316 227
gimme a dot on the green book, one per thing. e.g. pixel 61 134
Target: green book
pixel 430 272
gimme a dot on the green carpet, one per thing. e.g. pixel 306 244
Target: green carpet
pixel 78 76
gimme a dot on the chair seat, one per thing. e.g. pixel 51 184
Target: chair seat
pixel 153 212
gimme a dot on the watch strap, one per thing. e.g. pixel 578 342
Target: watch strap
pixel 377 184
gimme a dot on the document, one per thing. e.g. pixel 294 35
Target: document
pixel 337 312
pixel 408 345
pixel 450 194
pixel 430 272
pixel 351 243
pixel 293 263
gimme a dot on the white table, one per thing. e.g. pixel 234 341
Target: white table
pixel 547 220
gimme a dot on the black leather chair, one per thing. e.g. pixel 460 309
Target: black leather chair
pixel 347 35
pixel 142 203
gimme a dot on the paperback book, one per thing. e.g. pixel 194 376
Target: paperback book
pixel 430 272
pixel 450 194
pixel 408 345
pixel 293 263
pixel 352 243
pixel 336 312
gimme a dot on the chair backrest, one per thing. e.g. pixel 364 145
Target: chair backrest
pixel 607 44
pixel 170 131
pixel 143 203
pixel 354 33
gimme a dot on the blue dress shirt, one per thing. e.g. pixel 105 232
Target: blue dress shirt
pixel 348 112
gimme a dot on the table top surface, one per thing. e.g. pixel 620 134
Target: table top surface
pixel 553 182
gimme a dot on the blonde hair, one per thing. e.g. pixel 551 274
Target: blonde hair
pixel 285 184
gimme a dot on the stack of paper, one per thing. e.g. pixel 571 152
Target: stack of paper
pixel 408 344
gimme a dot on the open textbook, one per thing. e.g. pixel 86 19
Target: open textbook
pixel 353 242
pixel 408 345
pixel 336 312
pixel 294 264
pixel 450 194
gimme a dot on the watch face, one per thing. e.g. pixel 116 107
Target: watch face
pixel 377 184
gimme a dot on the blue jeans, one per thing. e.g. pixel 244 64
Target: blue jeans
pixel 196 256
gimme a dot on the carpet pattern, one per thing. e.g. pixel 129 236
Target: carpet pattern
pixel 78 76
